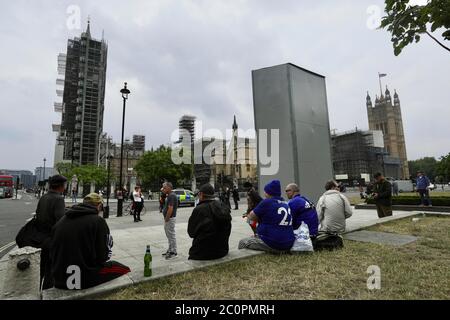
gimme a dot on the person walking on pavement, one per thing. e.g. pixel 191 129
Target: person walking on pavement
pixel 50 209
pixel 236 198
pixel 422 186
pixel 170 214
pixel 382 194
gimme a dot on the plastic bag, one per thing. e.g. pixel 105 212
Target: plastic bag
pixel 302 241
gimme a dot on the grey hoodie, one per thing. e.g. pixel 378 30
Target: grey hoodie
pixel 333 208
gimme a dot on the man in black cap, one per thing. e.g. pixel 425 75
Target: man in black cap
pixel 209 226
pixel 49 210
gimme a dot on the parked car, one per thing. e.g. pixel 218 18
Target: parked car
pixel 185 197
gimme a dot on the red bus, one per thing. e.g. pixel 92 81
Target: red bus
pixel 6 186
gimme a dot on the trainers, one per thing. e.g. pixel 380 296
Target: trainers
pixel 171 255
pixel 165 253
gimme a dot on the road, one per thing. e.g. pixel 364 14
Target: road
pixel 14 213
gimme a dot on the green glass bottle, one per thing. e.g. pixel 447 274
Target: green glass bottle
pixel 148 262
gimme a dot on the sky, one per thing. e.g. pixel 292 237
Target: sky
pixel 196 57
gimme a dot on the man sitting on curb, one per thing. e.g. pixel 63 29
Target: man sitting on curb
pixel 333 209
pixel 302 210
pixel 81 247
pixel 209 226
pixel 275 232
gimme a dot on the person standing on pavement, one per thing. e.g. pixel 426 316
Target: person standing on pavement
pixel 162 200
pixel 170 214
pixel 382 194
pixel 209 226
pixel 236 198
pixel 138 203
pixel 50 209
pixel 422 186
pixel 395 188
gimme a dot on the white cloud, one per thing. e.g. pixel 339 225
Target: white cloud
pixel 196 57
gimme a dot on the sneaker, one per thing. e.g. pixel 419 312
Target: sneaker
pixel 165 253
pixel 171 255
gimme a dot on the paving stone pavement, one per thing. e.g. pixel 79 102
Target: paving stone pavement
pixel 392 239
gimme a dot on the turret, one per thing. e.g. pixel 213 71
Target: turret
pixel 396 99
pixel 368 101
pixel 388 95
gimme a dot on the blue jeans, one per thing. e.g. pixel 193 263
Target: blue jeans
pixel 424 197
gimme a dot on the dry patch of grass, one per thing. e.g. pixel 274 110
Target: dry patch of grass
pixel 416 271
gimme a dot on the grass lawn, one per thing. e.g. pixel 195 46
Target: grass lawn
pixel 419 270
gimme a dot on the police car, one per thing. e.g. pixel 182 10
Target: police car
pixel 185 197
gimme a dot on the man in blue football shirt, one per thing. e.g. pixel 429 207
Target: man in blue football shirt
pixel 274 232
pixel 302 210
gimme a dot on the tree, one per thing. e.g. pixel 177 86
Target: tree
pixel 65 169
pixel 91 174
pixel 157 165
pixel 407 22
pixel 427 165
pixel 443 167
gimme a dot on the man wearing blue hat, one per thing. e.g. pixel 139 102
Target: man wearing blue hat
pixel 274 232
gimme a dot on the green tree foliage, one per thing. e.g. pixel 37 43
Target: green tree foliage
pixel 85 173
pixel 65 169
pixel 406 23
pixel 91 174
pixel 156 166
pixel 427 165
pixel 443 167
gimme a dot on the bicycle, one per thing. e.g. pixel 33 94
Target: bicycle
pixel 129 210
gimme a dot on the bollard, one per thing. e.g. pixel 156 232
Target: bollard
pixel 22 275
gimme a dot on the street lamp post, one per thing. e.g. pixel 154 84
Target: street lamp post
pixel 125 92
pixel 108 189
pixel 43 178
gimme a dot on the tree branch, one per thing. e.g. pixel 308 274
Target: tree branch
pixel 446 48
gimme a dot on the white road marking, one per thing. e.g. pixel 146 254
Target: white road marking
pixel 27 203
pixel 7 246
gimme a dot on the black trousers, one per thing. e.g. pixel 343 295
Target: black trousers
pixel 137 210
pixel 236 203
pixel 46 267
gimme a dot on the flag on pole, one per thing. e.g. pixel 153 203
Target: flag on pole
pixel 382 75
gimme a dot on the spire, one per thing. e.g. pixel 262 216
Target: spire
pixel 368 100
pixel 88 29
pixel 235 126
pixel 396 99
pixel 387 92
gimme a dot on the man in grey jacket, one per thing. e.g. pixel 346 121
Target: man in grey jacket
pixel 333 208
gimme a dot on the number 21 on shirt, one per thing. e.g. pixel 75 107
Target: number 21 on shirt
pixel 287 213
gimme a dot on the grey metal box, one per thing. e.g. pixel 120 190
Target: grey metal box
pixel 293 100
